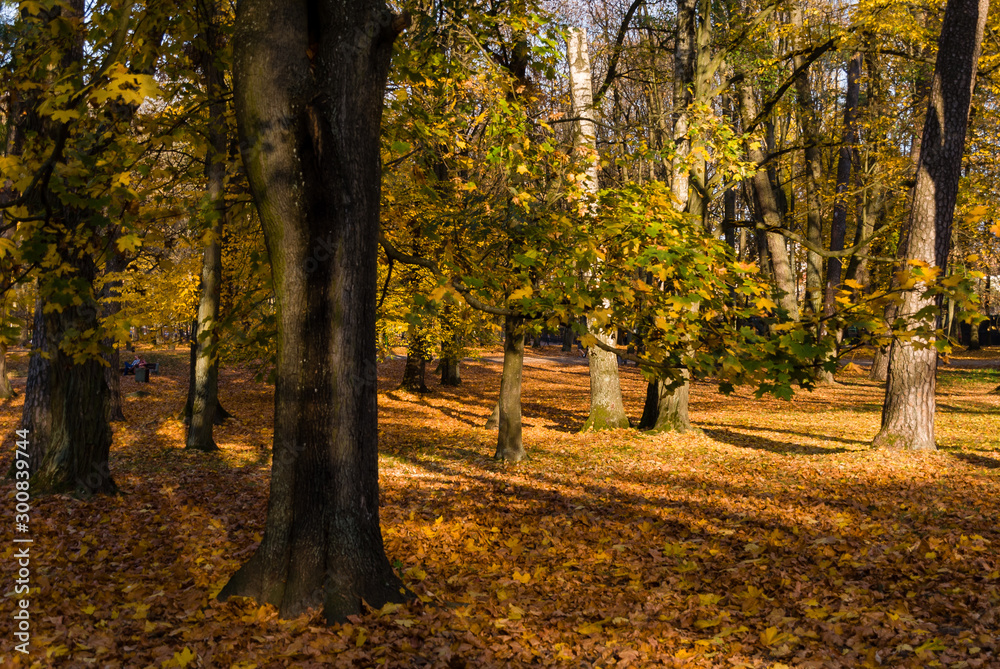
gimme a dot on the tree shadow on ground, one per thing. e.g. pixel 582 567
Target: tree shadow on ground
pixel 824 437
pixel 976 460
pixel 762 443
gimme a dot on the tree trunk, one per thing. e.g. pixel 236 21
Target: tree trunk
pixel 493 422
pixel 110 293
pixel 415 371
pixel 451 373
pixel 768 210
pixel 509 446
pixel 220 415
pixel 908 410
pixel 809 125
pixel 6 390
pixel 205 398
pixel 309 83
pixel 607 410
pixel 880 362
pixel 36 414
pixel 79 441
pixel 666 410
pixel 567 339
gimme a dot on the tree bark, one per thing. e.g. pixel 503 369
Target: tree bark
pixel 809 126
pixel 769 211
pixel 6 389
pixel 205 398
pixel 607 410
pixel 309 84
pixel 908 410
pixel 79 441
pixel 509 446
pixel 36 414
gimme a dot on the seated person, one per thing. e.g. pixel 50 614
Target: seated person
pixel 130 367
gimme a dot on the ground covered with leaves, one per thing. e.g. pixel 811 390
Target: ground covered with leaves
pixel 772 537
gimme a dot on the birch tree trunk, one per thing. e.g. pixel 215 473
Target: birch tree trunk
pixel 607 410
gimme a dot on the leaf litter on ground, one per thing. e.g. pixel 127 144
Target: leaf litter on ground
pixel 772 536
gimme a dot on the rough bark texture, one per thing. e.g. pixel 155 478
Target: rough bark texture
pixel 607 410
pixel 908 410
pixel 76 456
pixel 205 397
pixel 509 446
pixel 309 83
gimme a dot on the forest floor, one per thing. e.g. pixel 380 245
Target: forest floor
pixel 772 537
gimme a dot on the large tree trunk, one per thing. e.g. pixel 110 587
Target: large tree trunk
pixel 908 410
pixel 76 456
pixel 309 83
pixel 205 397
pixel 509 446
pixel 607 410
pixel 666 409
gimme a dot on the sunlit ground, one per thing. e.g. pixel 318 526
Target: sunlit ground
pixel 772 537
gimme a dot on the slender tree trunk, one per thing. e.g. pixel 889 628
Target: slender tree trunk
pixel 509 446
pixel 607 410
pixel 769 210
pixel 205 398
pixel 908 410
pixel 809 126
pixel 309 84
pixel 6 389
pixel 567 339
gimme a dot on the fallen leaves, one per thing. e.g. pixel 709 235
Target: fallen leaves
pixel 773 538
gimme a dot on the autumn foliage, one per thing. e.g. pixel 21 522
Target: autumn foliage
pixel 774 537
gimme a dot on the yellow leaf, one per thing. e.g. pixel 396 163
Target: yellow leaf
pixel 514 612
pixel 521 293
pixel 522 169
pixel 362 637
pixel 769 636
pixel 851 283
pixel 502 594
pixel 184 657
pixel 589 629
pixel 387 608
pixel 65 115
pixel 765 303
pixel 89 610
pixel 521 578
